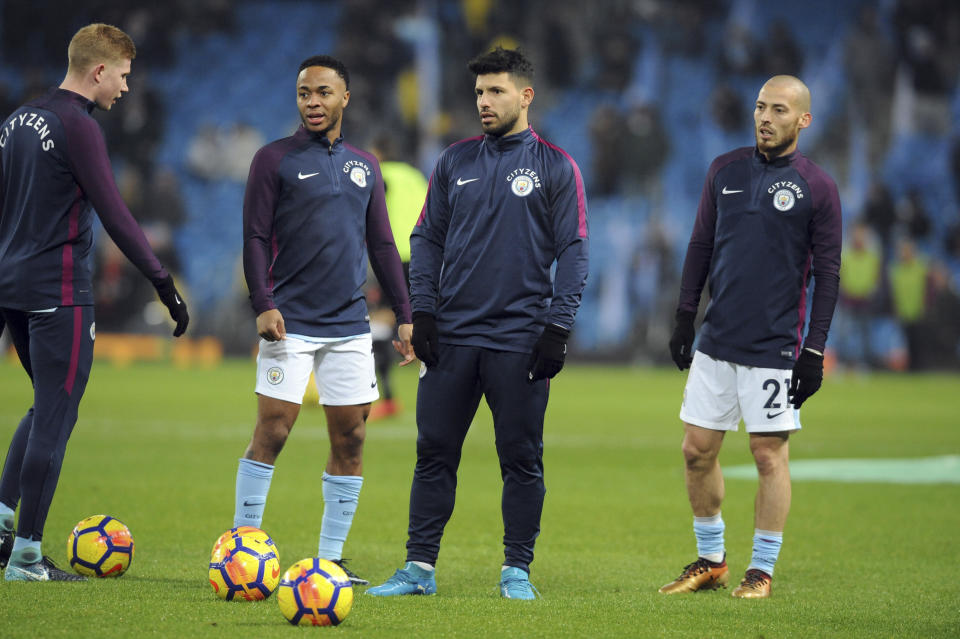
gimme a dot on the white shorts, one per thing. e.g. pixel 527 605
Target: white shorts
pixel 344 370
pixel 718 394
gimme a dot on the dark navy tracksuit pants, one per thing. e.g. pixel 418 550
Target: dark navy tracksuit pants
pixel 56 350
pixel 447 400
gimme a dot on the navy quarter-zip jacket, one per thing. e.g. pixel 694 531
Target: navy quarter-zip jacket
pixel 311 212
pixel 500 211
pixel 761 227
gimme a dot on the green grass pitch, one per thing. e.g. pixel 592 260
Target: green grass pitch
pixel 157 447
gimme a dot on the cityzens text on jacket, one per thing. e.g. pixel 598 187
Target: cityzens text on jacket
pixel 786 185
pixel 527 172
pixel 32 120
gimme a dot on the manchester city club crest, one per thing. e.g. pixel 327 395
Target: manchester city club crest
pixel 784 200
pixel 358 176
pixel 275 375
pixel 521 185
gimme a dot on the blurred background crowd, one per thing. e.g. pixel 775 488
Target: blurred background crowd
pixel 642 93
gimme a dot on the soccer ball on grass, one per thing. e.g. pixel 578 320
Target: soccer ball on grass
pixel 315 592
pixel 100 546
pixel 244 568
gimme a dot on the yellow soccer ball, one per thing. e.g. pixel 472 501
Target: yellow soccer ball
pixel 100 546
pixel 247 569
pixel 315 592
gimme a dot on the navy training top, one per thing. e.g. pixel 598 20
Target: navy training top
pixel 311 212
pixel 53 167
pixel 760 227
pixel 499 212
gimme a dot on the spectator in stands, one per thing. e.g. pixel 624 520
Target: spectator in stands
pixel 925 46
pixel 912 215
pixel 938 330
pixel 908 289
pixel 782 55
pixel 880 214
pixel 606 135
pixel 644 150
pixel 860 288
pixel 223 152
pixel 740 53
pixel 727 109
pixel 952 251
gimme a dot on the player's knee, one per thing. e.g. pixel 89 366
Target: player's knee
pixel 769 461
pixel 520 453
pixel 697 457
pixel 347 445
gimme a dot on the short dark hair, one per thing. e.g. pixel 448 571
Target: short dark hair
pixel 329 62
pixel 502 60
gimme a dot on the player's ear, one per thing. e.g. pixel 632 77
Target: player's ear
pixel 97 72
pixel 805 120
pixel 346 98
pixel 526 96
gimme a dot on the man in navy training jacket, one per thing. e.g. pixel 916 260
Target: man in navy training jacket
pixel 767 215
pixel 488 320
pixel 313 209
pixel 53 168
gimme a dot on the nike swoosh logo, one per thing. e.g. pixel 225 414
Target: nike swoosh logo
pixel 252 502
pixel 769 416
pixel 304 176
pixel 176 298
pixel 461 181
pixel 727 191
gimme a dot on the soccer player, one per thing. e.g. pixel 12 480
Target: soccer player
pixel 53 168
pixel 766 215
pixel 488 320
pixel 314 207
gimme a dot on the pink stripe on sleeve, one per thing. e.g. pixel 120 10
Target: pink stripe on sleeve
pixel 581 193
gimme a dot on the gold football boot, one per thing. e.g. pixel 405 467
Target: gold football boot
pixel 700 575
pixel 755 585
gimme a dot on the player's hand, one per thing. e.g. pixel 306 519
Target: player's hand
pixel 403 345
pixel 806 378
pixel 171 299
pixel 270 326
pixel 548 354
pixel 681 343
pixel 424 338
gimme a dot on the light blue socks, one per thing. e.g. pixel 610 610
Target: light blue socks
pixel 709 533
pixel 253 486
pixel 340 496
pixel 766 549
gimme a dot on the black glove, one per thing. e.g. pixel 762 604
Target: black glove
pixel 681 344
pixel 425 340
pixel 174 303
pixel 548 354
pixel 806 378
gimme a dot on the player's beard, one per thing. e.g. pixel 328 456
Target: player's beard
pixel 507 125
pixel 775 150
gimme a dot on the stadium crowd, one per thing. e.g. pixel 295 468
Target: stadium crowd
pixel 642 93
